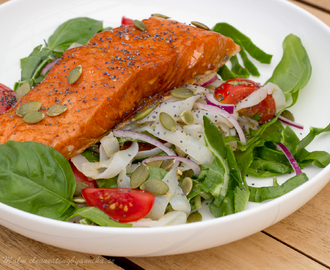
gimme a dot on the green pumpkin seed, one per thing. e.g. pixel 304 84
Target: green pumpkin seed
pixel 160 15
pixel 186 185
pixel 194 217
pixel 200 25
pixel 288 115
pixel 139 175
pixel 56 110
pixel 79 187
pixel 167 121
pixel 140 115
pixel 22 90
pixel 75 74
pixel 28 107
pixel 168 164
pixel 155 186
pixel 33 117
pixel 182 93
pixel 78 199
pixel 139 25
pixel 187 117
pixel 156 163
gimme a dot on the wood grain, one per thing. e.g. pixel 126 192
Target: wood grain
pixel 19 252
pixel 323 4
pixel 258 251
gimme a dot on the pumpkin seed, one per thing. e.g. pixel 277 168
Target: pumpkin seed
pixel 160 15
pixel 78 199
pixel 22 90
pixel 194 217
pixel 139 25
pixel 156 163
pixel 288 115
pixel 33 117
pixel 187 117
pixel 74 74
pixel 155 186
pixel 167 121
pixel 200 25
pixel 168 164
pixel 56 110
pixel 182 93
pixel 139 175
pixel 28 107
pixel 79 187
pixel 140 115
pixel 186 185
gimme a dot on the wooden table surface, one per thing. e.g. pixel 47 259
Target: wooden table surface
pixel 301 241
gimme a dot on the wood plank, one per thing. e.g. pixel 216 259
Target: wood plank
pixel 258 251
pixel 323 4
pixel 19 252
pixel 323 16
pixel 307 230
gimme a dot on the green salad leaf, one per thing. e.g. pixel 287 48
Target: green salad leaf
pixel 247 46
pixel 35 178
pixel 294 70
pixel 97 216
pixel 78 30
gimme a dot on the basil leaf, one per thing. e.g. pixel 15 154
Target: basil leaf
pixel 79 30
pixel 97 216
pixel 294 70
pixel 35 178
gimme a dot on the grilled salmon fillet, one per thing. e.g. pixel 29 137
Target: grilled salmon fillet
pixel 122 69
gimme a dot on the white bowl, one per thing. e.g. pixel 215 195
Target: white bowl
pixel 25 24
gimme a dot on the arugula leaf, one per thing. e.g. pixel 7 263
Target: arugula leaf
pixel 294 70
pixel 260 194
pixel 35 178
pixel 79 30
pixel 97 216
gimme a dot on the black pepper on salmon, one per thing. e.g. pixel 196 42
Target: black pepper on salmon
pixel 117 73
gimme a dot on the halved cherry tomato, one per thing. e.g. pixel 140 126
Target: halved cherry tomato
pixel 120 204
pixel 80 177
pixel 7 98
pixel 234 90
pixel 126 21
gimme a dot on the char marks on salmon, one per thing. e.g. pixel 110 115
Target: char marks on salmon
pixel 122 69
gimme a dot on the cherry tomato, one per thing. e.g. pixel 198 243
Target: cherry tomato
pixel 120 204
pixel 234 90
pixel 7 98
pixel 80 177
pixel 126 21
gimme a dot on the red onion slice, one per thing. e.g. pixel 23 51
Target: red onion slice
pixel 291 159
pixel 213 79
pixel 289 122
pixel 193 165
pixel 143 137
pixel 210 99
pixel 225 114
pixel 49 66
